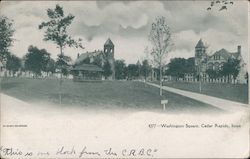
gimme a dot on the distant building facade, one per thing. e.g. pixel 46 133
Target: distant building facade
pixel 203 62
pixel 90 71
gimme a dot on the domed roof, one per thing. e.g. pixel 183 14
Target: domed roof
pixel 109 42
pixel 200 44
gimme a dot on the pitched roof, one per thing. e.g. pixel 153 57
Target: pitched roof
pixel 236 54
pixel 200 44
pixel 222 52
pixel 86 67
pixel 83 56
pixel 226 54
pixel 109 42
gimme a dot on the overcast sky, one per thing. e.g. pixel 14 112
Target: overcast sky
pixel 128 23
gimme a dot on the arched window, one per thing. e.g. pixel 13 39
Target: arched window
pixel 221 66
pixel 210 66
pixel 216 66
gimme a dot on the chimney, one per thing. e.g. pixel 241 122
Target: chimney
pixel 239 49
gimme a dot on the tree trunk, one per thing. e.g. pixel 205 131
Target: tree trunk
pixel 60 82
pixel 160 81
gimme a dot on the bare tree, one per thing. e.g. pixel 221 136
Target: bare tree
pixel 160 37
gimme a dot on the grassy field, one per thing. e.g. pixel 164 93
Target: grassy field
pixel 234 92
pixel 100 95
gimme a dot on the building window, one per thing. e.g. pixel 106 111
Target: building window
pixel 216 66
pixel 220 67
pixel 210 66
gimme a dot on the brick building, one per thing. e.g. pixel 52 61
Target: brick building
pixel 91 71
pixel 203 62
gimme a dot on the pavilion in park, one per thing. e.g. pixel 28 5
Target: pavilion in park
pixel 86 68
pixel 86 72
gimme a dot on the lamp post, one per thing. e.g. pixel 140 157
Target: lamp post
pixel 199 73
pixel 200 80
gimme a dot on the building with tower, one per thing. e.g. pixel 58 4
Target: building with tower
pixel 109 54
pixel 200 57
pixel 89 65
pixel 204 62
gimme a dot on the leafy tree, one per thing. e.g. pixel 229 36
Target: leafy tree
pixel 190 65
pixel 36 60
pixel 231 68
pixel 176 67
pixel 120 69
pixel 145 69
pixel 13 63
pixel 138 68
pixel 107 69
pixel 160 37
pixel 133 71
pixel 63 64
pixel 56 31
pixel 6 34
pixel 213 74
pixel 51 66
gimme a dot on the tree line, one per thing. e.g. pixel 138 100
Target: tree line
pixel 179 67
pixel 132 71
pixel 39 60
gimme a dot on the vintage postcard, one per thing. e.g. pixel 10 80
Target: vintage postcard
pixel 124 79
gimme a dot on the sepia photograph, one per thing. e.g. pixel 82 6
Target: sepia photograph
pixel 124 79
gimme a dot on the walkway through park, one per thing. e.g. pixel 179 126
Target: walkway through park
pixel 224 104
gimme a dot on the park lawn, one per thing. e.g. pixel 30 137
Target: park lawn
pixel 100 95
pixel 233 92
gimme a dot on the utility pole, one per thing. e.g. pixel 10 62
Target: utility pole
pixel 200 83
pixel 199 74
